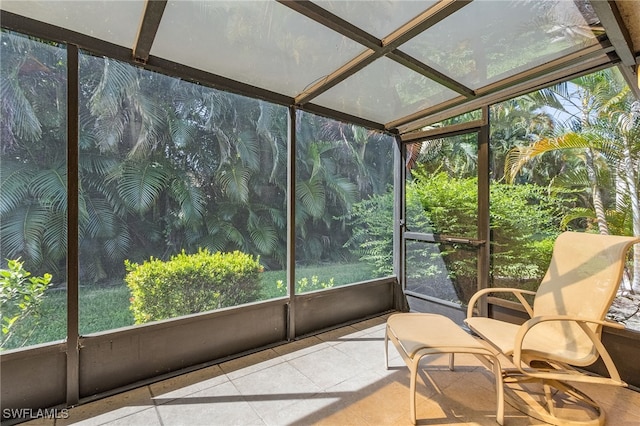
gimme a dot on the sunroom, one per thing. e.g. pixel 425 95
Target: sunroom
pixel 363 157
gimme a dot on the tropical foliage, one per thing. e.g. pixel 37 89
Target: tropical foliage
pixel 447 205
pixel 166 165
pixel 20 296
pixel 598 149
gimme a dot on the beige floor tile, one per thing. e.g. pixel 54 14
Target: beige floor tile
pixel 113 408
pixel 344 417
pixel 186 384
pixel 147 418
pixel 251 363
pixel 432 411
pixel 320 408
pixel 618 403
pixel 217 405
pixel 339 335
pixel 275 388
pixel 348 416
pixel 365 350
pixel 624 409
pixel 327 367
pixel 382 406
pixel 623 412
pixel 299 348
pixel 372 324
pixel 39 421
pixel 367 383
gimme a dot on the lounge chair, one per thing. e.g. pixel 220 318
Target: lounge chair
pixel 564 331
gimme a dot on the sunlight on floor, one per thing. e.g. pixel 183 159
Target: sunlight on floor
pixel 334 378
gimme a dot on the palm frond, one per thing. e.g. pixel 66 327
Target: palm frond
pixel 101 165
pixel 234 180
pixel 153 118
pixel 574 178
pixel 248 150
pixel 119 245
pixel 191 199
pixel 50 187
pixel 342 188
pixel 140 185
pixel 264 237
pixel 549 97
pixel 21 231
pixel 519 156
pixel 278 217
pixel 311 194
pixel 18 112
pixel 54 237
pixel 233 234
pixel 181 131
pixel 15 178
pixel 109 131
pixel 118 79
pixel 101 220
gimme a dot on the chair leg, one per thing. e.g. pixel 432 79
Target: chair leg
pixel 386 348
pixel 412 389
pixel 451 361
pixel 549 398
pixel 497 372
pixel 543 408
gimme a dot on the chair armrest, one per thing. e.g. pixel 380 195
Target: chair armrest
pixel 515 291
pixel 583 323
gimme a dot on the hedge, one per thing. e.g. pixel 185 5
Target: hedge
pixel 191 283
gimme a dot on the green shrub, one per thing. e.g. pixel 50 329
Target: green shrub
pixel 304 285
pixel 20 295
pixel 525 220
pixel 188 284
pixel 372 237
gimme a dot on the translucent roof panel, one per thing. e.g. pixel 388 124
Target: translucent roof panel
pixel 378 18
pixel 487 41
pixel 264 44
pixel 110 20
pixel 384 91
pixel 290 51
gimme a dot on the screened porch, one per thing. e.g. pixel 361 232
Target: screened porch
pixel 357 155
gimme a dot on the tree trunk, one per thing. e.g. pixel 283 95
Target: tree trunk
pixel 631 179
pixel 596 193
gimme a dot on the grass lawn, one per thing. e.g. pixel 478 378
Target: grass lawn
pixel 106 308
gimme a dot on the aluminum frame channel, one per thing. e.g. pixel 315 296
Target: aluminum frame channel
pixel 153 12
pixel 378 47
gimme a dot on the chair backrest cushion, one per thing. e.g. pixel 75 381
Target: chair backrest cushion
pixel 583 276
pixel 581 281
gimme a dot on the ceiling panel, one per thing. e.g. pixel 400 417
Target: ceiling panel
pixel 260 43
pixel 377 17
pixel 115 21
pixel 383 91
pixel 487 40
pixel 281 50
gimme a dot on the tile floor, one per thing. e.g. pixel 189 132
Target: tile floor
pixel 334 378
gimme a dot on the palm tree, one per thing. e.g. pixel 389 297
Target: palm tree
pixel 323 190
pixel 165 165
pixel 516 122
pixel 602 133
pixel 33 172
